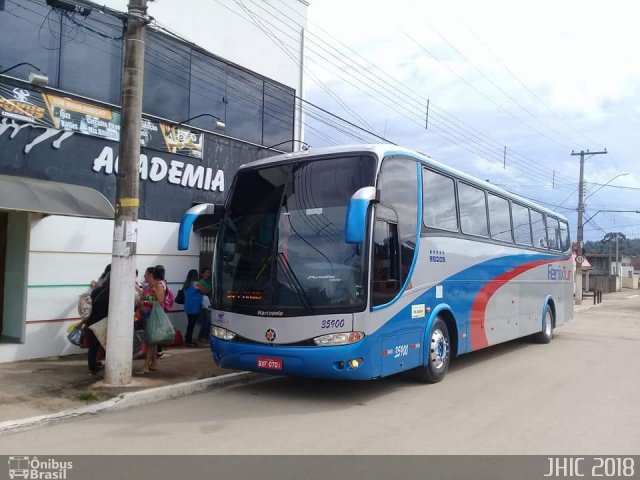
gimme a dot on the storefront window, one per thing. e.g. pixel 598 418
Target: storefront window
pixel 208 89
pixel 244 105
pixel 278 117
pixel 90 62
pixel 166 77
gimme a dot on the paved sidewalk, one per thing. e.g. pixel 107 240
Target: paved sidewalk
pixel 587 302
pixel 38 387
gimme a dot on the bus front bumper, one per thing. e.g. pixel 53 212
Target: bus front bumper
pixel 334 362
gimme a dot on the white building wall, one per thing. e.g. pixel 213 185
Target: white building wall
pixel 65 254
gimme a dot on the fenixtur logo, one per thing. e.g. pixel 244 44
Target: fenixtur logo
pixel 35 469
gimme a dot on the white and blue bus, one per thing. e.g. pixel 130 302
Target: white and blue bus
pixel 360 262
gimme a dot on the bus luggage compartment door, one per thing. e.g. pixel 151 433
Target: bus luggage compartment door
pixel 401 352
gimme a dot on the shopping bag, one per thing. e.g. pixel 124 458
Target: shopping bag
pixel 84 305
pixel 99 329
pixel 159 328
pixel 75 334
pixel 180 297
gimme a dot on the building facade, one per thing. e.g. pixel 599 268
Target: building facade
pixel 59 152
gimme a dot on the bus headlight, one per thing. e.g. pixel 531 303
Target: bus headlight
pixel 338 339
pixel 222 333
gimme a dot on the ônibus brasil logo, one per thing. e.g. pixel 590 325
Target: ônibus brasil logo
pixel 36 469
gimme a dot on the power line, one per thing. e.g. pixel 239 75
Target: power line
pixel 526 87
pixel 350 63
pixel 412 95
pixel 485 153
pixel 432 55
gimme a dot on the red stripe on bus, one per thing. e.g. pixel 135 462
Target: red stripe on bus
pixel 479 307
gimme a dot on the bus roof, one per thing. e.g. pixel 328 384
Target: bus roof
pixel 386 149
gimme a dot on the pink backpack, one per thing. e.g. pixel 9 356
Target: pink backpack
pixel 169 299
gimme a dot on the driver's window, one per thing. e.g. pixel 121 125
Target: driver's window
pixel 386 277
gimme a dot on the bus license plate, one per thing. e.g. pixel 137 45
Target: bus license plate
pixel 270 363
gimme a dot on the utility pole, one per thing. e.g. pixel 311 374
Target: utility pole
pixel 579 257
pixel 118 360
pixel 618 266
pixel 426 122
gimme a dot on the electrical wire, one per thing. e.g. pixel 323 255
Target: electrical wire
pixel 288 24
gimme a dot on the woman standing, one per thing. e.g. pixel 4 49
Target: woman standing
pixel 154 292
pixel 193 293
pixel 99 310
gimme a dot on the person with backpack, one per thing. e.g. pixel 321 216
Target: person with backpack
pixel 193 293
pixel 169 299
pixel 154 291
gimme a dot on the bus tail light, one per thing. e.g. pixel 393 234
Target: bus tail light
pixel 338 339
pixel 222 333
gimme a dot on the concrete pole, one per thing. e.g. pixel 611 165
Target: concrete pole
pixel 118 362
pixel 580 232
pixel 578 278
pixel 618 265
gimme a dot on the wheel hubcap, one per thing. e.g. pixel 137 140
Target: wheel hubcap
pixel 548 322
pixel 439 349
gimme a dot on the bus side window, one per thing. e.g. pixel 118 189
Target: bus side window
pixel 565 243
pixel 538 230
pixel 499 219
pixel 439 201
pixel 473 210
pixel 396 225
pixel 521 224
pixel 553 232
pixel 385 274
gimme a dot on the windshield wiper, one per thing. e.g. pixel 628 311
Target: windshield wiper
pixel 293 282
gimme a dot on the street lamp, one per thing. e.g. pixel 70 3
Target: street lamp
pixel 40 79
pixel 602 186
pixel 217 121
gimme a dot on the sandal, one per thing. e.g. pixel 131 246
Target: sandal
pixel 143 372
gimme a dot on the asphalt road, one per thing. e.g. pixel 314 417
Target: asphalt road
pixel 578 395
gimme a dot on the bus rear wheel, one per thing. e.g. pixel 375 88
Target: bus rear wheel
pixel 546 334
pixel 438 353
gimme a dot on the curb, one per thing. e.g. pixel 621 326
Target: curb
pixel 130 400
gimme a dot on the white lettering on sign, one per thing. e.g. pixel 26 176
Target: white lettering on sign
pixel 104 161
pixel 144 167
pixel 192 176
pixel 218 182
pixel 175 172
pixel 157 169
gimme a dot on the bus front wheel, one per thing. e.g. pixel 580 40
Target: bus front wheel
pixel 438 353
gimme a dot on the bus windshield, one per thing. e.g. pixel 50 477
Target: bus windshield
pixel 281 248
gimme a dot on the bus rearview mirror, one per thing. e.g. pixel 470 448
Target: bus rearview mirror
pixel 356 220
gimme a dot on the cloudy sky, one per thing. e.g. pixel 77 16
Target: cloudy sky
pixel 541 78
